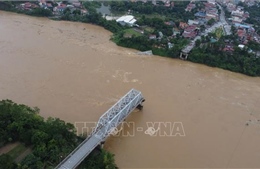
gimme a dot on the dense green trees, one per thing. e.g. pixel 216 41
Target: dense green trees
pixel 238 61
pixel 40 12
pixel 211 21
pixel 6 162
pixel 176 13
pixel 51 139
pixel 103 161
pixel 154 16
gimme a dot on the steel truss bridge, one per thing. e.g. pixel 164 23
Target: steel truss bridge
pixel 107 123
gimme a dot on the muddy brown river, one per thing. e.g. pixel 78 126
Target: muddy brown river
pixel 74 72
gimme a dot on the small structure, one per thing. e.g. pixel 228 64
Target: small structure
pixel 152 37
pixel 170 45
pixel 148 52
pixel 241 46
pixel 160 34
pixel 183 25
pixel 126 20
pixel 193 22
pixel 175 31
pixel 190 32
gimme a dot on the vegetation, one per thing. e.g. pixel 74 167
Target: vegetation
pixel 219 32
pixel 211 21
pixel 7 162
pixel 152 19
pixel 176 13
pixel 51 140
pixel 39 12
pixel 11 6
pixel 130 32
pixel 254 15
pixel 15 152
pixel 213 54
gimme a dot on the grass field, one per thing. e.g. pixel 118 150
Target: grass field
pixel 219 32
pixel 130 32
pixel 149 29
pixel 16 151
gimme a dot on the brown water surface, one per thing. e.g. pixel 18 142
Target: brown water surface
pixel 72 71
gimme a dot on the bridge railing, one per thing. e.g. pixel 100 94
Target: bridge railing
pixel 108 121
pixel 131 104
pixel 114 110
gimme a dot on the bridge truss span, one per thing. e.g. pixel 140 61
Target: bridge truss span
pixel 106 124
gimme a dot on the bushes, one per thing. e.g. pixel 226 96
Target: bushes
pixel 238 61
pixel 51 139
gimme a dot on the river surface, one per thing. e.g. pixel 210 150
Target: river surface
pixel 72 71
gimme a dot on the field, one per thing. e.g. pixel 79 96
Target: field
pixel 219 32
pixel 130 32
pixel 17 151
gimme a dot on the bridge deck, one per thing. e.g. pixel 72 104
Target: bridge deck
pixel 106 124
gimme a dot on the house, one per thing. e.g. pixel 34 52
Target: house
pixel 209 5
pixel 60 8
pixel 170 45
pixel 213 40
pixel 152 37
pixel 190 32
pixel 193 22
pixel 238 13
pixel 210 15
pixel 190 6
pixel 76 4
pixel 28 6
pixel 160 34
pixel 170 23
pixel 175 31
pixel 228 48
pixel 241 46
pixel 126 20
pixel 83 11
pixel 183 25
pixel 200 14
pixel 236 19
pixel 172 4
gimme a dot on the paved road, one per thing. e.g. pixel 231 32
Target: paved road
pixel 222 22
pixel 222 18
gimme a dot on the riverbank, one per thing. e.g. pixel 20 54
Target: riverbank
pixel 205 52
pixel 73 71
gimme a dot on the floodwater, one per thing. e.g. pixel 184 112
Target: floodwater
pixel 72 71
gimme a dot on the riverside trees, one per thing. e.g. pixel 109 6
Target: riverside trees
pixel 51 140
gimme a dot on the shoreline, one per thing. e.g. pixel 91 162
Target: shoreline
pixel 135 51
pixel 78 74
pixel 113 34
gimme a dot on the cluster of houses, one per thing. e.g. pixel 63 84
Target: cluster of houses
pixel 167 3
pixel 191 29
pixel 238 15
pixel 245 31
pixel 56 7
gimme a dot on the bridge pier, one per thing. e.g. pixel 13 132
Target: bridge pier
pixel 106 123
pixel 184 56
pixel 140 106
pixel 100 146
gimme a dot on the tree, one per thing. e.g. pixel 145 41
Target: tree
pixel 197 43
pixel 6 162
pixel 211 21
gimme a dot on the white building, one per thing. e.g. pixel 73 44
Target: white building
pixel 193 22
pixel 126 20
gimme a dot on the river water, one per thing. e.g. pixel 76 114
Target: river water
pixel 72 71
